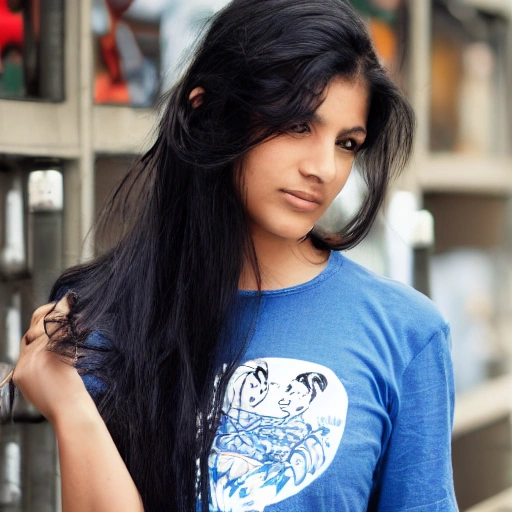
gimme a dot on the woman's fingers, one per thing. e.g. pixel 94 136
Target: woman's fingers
pixel 49 319
pixel 35 330
pixel 41 312
pixel 46 379
pixel 46 321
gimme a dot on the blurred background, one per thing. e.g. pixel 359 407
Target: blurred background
pixel 79 82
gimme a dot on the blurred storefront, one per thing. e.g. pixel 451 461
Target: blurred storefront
pixel 79 81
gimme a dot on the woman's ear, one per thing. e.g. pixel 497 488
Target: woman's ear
pixel 196 97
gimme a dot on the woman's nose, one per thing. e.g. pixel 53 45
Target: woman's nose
pixel 320 162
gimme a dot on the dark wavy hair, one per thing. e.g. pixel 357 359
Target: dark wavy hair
pixel 162 295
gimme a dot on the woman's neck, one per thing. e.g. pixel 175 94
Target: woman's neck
pixel 283 263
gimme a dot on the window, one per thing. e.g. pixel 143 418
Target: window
pixel 139 45
pixel 31 49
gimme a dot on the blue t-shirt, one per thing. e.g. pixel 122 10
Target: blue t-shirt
pixel 343 401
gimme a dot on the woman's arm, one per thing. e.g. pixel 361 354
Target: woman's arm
pixel 94 476
pixel 417 472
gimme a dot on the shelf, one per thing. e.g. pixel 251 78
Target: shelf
pixel 122 130
pixel 38 128
pixel 502 502
pixel 44 151
pixel 478 408
pixel 53 129
pixel 465 173
pixel 498 7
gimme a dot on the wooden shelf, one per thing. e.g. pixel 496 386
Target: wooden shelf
pixel 478 408
pixel 502 502
pixel 38 150
pixel 466 173
pixel 122 130
pixel 53 130
pixel 38 128
pixel 499 7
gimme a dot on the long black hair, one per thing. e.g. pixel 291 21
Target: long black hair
pixel 162 295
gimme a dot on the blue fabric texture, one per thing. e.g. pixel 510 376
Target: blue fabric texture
pixel 343 401
pixel 87 366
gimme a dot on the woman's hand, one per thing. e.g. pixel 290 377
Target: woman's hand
pixel 46 379
pixel 93 474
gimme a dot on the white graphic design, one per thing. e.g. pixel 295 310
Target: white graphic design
pixel 281 424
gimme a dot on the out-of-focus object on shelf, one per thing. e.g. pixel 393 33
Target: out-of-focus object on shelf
pixel 469 72
pixel 387 22
pixel 462 100
pixel 474 220
pixel 470 281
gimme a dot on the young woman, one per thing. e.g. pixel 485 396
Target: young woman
pixel 232 359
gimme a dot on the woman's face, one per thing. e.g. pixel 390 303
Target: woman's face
pixel 290 180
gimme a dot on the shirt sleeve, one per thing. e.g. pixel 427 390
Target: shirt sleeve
pixel 417 472
pixel 91 362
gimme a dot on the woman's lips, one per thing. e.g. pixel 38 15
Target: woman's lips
pixel 301 200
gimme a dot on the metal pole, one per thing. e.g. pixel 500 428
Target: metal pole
pixel 51 50
pixel 86 139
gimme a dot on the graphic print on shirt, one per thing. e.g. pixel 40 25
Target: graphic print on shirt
pixel 281 424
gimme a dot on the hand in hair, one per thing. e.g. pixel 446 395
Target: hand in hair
pixel 94 476
pixel 47 380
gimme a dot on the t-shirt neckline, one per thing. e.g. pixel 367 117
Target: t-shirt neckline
pixel 333 265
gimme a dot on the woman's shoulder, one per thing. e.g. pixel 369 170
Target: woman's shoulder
pixel 390 302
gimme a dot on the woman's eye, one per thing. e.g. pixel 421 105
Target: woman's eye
pixel 348 144
pixel 299 128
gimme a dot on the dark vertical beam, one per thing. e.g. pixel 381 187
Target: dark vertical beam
pixel 51 50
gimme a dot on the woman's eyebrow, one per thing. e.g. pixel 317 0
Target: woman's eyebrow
pixel 352 131
pixel 316 118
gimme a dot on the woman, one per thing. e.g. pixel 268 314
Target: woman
pixel 220 264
